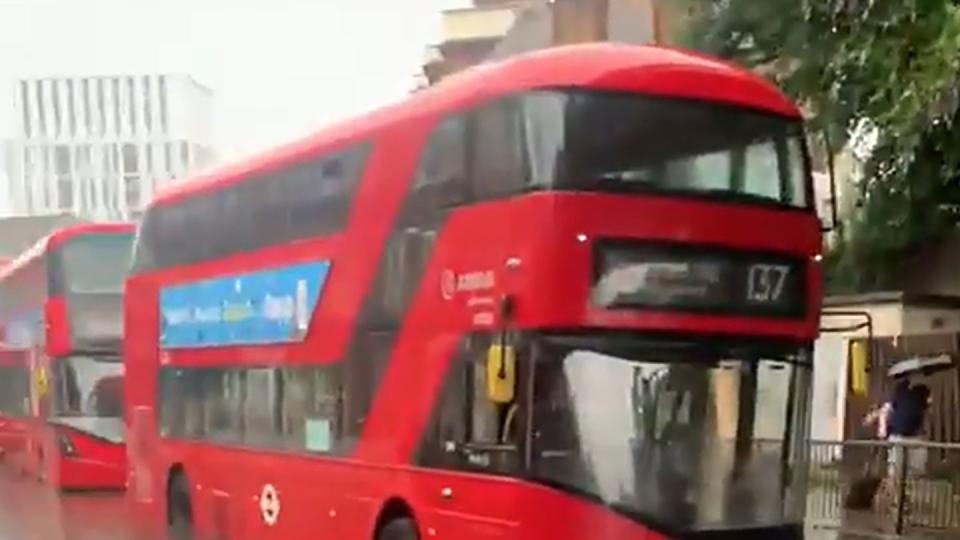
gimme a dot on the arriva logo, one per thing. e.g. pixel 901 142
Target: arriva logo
pixel 452 283
pixel 448 284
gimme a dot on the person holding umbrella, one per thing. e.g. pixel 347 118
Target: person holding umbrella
pixel 905 423
pixel 906 416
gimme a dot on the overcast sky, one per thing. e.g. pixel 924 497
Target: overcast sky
pixel 277 68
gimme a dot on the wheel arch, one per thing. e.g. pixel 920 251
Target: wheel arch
pixel 393 508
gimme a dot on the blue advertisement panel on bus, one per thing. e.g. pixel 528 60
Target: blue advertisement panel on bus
pixel 256 308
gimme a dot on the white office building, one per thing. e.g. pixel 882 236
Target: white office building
pixel 99 147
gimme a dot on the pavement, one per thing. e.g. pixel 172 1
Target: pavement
pixel 817 533
pixel 32 511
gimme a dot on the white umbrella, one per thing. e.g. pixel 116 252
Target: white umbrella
pixel 919 363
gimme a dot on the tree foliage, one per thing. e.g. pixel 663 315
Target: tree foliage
pixel 891 66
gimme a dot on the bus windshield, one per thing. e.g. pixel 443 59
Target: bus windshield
pixel 88 394
pixel 94 264
pixel 14 391
pixel 691 440
pixel 630 143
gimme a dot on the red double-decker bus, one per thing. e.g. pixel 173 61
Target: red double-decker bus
pixel 60 312
pixel 567 296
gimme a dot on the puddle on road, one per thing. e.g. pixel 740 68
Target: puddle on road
pixel 32 511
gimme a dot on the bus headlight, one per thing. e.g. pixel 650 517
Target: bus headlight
pixel 66 446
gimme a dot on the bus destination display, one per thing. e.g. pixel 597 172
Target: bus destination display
pixel 699 279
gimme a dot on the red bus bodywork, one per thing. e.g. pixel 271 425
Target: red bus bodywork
pixel 55 323
pixel 537 248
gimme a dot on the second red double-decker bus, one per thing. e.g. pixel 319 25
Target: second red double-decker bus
pixel 60 311
pixel 569 296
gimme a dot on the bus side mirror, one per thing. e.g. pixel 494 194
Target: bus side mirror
pixel 40 382
pixel 501 373
pixel 858 368
pixel 827 224
pixel 825 191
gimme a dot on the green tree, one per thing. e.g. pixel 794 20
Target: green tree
pixel 889 65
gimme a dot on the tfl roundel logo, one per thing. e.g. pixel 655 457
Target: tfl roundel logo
pixel 448 284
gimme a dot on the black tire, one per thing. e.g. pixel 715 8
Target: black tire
pixel 179 509
pixel 399 529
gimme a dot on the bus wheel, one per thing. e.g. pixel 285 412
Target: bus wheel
pixel 179 509
pixel 399 529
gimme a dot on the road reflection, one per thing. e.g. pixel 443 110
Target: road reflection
pixel 32 511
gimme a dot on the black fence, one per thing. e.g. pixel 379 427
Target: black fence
pixel 903 488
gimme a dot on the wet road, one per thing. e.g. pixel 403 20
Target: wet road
pixel 31 511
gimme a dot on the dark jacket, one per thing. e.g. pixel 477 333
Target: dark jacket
pixel 909 408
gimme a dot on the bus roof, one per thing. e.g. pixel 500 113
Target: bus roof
pixel 59 237
pixel 602 66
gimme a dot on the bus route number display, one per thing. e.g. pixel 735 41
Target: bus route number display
pixel 765 282
pixel 697 279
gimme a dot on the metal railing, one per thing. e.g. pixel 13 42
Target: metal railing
pixel 888 487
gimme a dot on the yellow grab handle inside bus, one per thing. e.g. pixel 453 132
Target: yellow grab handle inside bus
pixel 501 371
pixel 858 368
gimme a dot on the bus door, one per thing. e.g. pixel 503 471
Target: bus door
pixel 35 458
pixel 476 446
pixel 199 409
pixel 141 479
pixel 286 482
pixel 223 497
